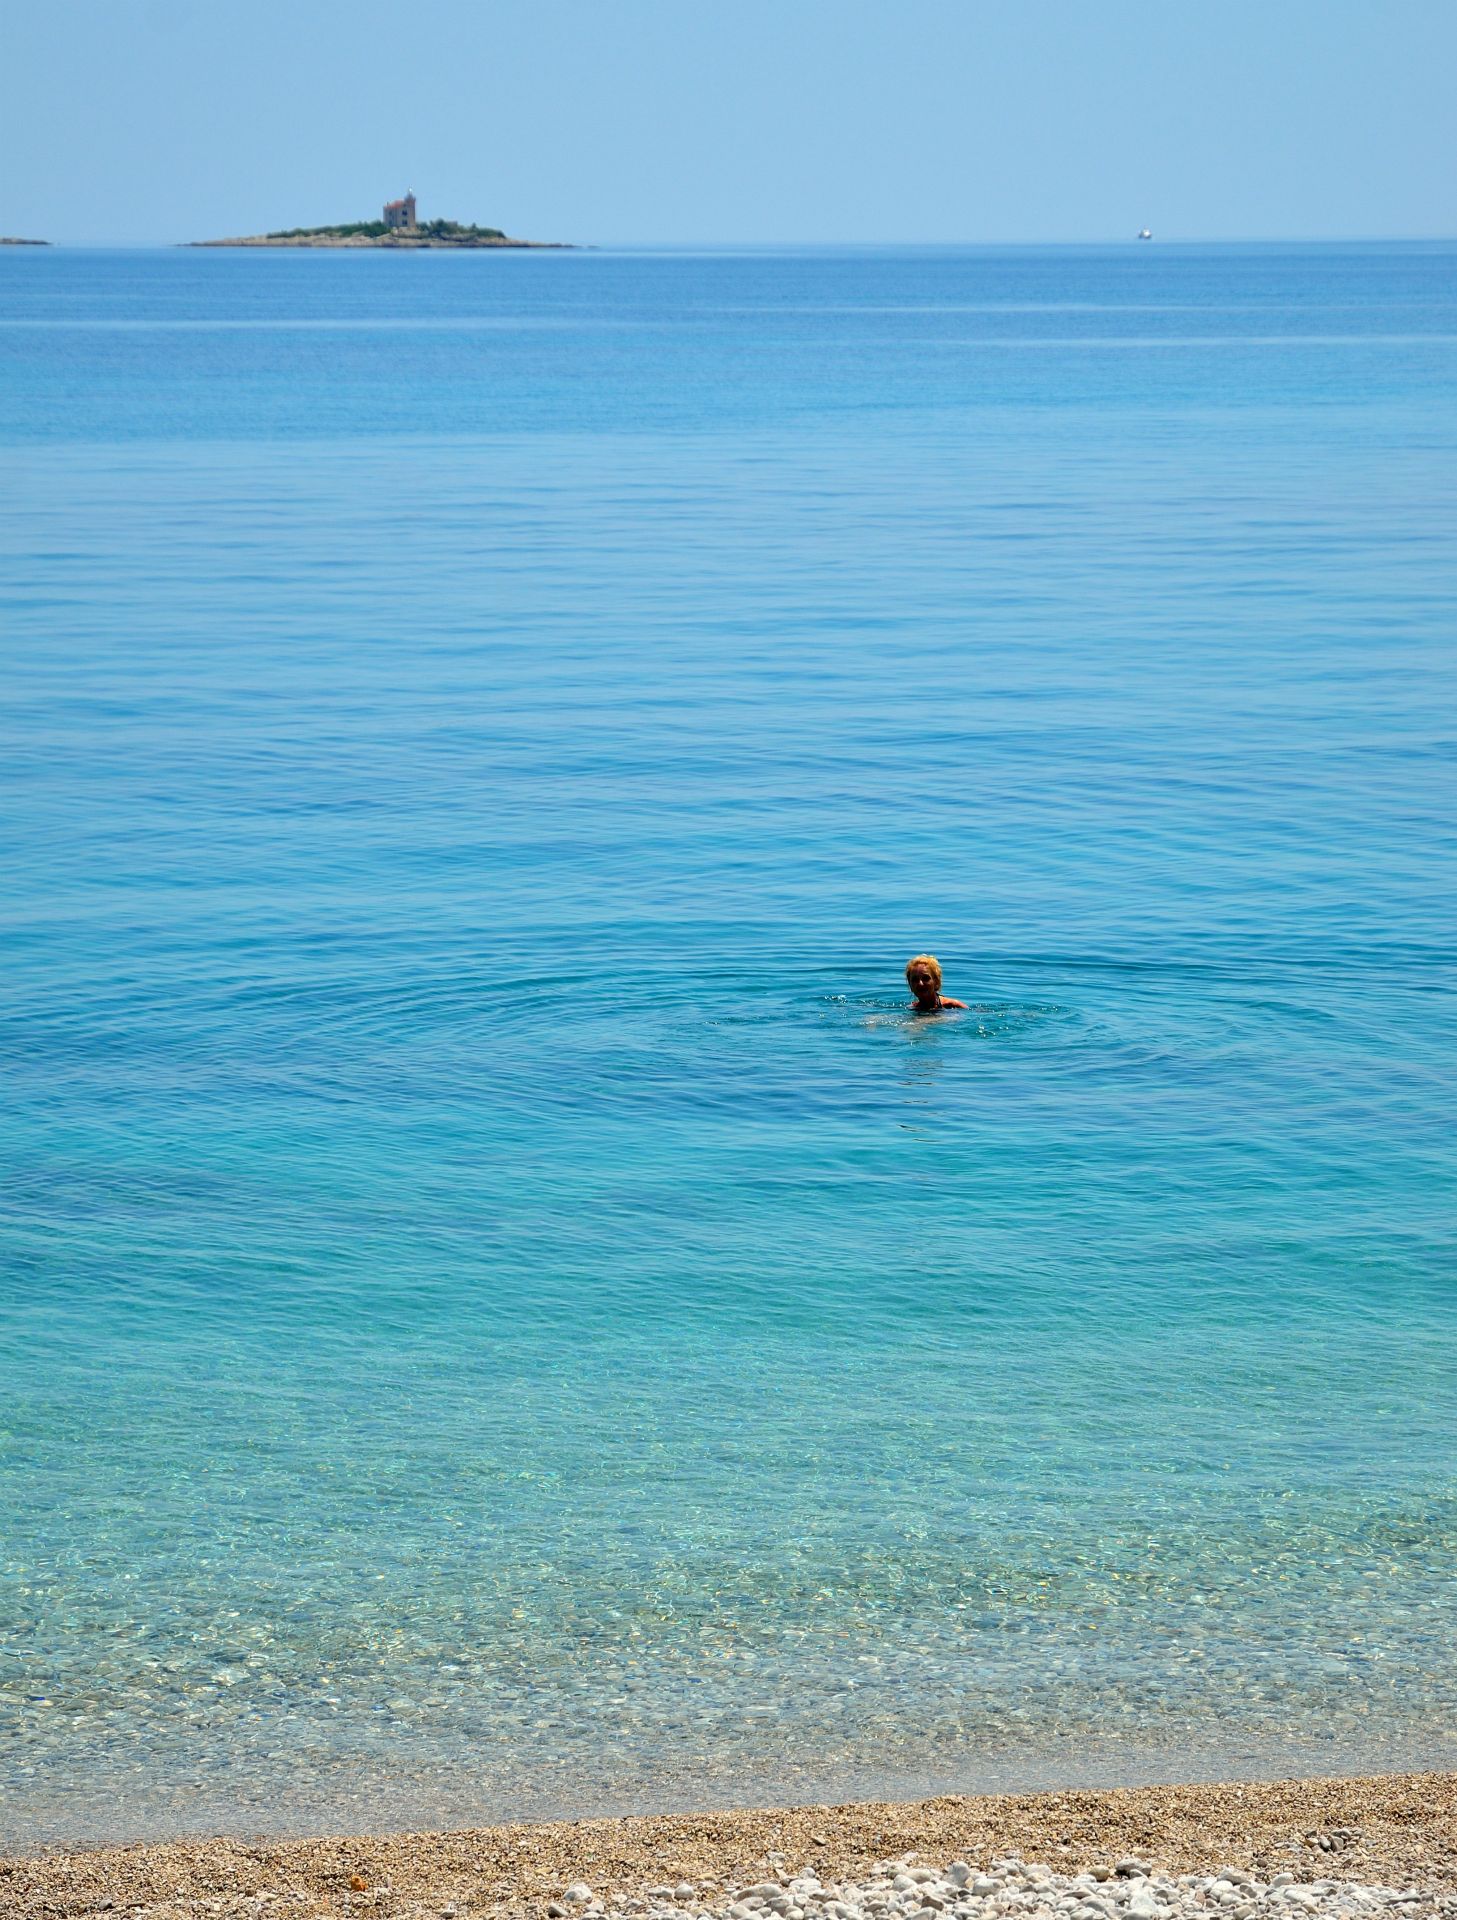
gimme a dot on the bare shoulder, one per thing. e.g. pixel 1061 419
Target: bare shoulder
pixel 959 1005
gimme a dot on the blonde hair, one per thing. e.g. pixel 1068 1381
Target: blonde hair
pixel 926 960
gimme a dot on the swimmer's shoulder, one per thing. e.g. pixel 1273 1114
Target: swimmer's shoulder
pixel 958 1006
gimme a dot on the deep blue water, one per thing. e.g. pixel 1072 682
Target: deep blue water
pixel 502 1310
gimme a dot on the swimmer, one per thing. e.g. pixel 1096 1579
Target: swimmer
pixel 923 976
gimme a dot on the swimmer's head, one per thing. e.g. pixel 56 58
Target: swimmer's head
pixel 923 977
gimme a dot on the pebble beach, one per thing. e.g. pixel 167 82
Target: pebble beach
pixel 1384 1845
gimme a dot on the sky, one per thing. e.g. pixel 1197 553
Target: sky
pixel 129 122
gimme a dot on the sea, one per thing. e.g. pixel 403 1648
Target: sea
pixel 505 1312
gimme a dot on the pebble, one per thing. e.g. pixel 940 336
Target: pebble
pixel 907 1889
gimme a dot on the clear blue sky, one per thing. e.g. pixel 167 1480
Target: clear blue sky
pixel 733 120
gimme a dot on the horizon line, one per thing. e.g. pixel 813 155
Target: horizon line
pixel 740 245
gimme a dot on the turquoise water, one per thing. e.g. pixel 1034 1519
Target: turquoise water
pixel 502 1311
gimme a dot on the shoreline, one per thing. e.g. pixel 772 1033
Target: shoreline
pixel 1395 1831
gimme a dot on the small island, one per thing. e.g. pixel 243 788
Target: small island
pixel 8 240
pixel 398 228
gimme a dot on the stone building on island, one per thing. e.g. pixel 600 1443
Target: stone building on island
pixel 399 215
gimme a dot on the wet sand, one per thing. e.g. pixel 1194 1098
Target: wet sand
pixel 1399 1830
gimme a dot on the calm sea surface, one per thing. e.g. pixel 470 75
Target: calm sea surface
pixel 502 1310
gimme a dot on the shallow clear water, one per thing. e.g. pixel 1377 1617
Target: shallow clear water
pixel 502 1311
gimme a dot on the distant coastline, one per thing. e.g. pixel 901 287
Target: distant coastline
pixel 7 240
pixel 378 233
